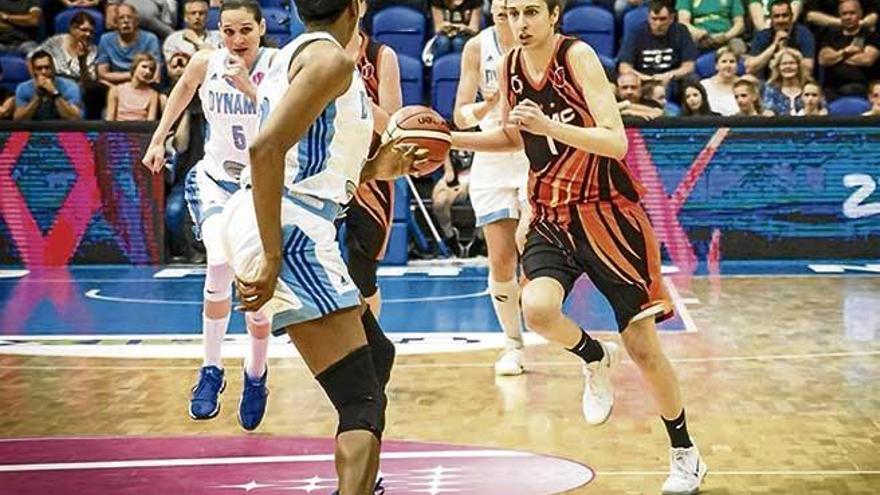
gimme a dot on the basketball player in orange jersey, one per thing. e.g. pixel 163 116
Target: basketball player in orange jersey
pixel 558 105
pixel 370 214
pixel 497 181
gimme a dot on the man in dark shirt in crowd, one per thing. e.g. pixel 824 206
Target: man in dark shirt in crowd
pixel 783 32
pixel 849 53
pixel 660 50
pixel 19 23
pixel 825 14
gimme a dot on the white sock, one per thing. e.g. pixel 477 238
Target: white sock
pixel 255 362
pixel 213 333
pixel 505 300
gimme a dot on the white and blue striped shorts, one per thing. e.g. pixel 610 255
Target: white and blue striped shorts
pixel 313 281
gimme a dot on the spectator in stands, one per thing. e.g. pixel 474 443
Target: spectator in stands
pixel 157 16
pixel 826 13
pixel 661 49
pixel 782 93
pixel 719 88
pixel 452 188
pixel 874 98
pixel 693 100
pixel 195 36
pixel 7 100
pixel 848 53
pixel 629 95
pixel 654 95
pixel 758 10
pixel 712 23
pixel 136 100
pixel 117 49
pixel 19 25
pixel 45 96
pixel 783 32
pixel 75 55
pixel 814 101
pixel 455 21
pixel 745 90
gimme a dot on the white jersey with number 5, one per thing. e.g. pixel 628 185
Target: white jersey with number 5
pixel 326 163
pixel 232 117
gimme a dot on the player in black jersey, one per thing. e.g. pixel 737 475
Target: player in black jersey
pixel 558 105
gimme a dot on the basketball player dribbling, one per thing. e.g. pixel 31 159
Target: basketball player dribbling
pixel 370 214
pixel 558 105
pixel 497 180
pixel 227 80
pixel 280 235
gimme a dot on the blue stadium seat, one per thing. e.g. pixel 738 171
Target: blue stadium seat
pixel 401 28
pixel 296 24
pixel 282 4
pixel 634 18
pixel 15 70
pixel 592 24
pixel 705 65
pixel 412 80
pixel 213 22
pixel 849 106
pixel 62 20
pixel 277 20
pixel 445 74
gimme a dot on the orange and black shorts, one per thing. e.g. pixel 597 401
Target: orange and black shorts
pixel 614 245
pixel 368 225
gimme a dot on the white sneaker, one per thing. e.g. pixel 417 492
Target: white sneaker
pixel 510 363
pixel 686 472
pixel 598 391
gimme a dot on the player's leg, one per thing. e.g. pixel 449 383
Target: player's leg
pixel 551 272
pixel 205 200
pixel 497 210
pixel 368 226
pixel 254 392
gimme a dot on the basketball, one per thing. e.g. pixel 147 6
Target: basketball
pixel 425 128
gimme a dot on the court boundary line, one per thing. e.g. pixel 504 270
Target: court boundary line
pixel 486 364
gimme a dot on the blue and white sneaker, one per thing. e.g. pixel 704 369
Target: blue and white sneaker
pixel 204 402
pixel 254 395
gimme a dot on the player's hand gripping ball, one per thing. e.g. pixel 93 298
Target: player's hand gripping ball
pixel 425 128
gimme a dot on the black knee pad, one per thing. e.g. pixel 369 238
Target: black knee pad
pixel 383 348
pixel 351 385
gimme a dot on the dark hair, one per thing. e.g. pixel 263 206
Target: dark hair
pixel 656 6
pixel 251 6
pixel 81 18
pixel 38 54
pixel 320 11
pixel 779 2
pixel 704 104
pixel 201 1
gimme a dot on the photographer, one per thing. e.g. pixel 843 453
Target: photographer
pixel 46 97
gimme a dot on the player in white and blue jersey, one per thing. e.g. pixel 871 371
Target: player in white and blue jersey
pixel 309 157
pixel 226 80
pixel 498 181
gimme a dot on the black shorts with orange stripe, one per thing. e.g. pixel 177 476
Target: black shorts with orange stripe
pixel 613 243
pixel 368 225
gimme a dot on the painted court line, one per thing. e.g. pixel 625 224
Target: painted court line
pixel 680 306
pixel 487 364
pixel 714 473
pixel 220 461
pixel 96 295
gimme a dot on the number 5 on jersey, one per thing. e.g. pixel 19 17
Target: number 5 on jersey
pixel 238 137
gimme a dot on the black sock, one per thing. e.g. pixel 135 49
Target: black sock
pixel 588 349
pixel 678 431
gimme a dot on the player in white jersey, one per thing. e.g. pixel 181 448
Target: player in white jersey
pixel 226 80
pixel 498 181
pixel 310 155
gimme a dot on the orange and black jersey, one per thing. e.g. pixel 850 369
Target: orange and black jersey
pixel 560 175
pixel 368 65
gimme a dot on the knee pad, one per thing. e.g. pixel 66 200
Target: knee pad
pixel 382 347
pixel 218 282
pixel 351 385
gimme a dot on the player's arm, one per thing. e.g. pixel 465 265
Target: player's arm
pixel 468 114
pixel 608 137
pixel 177 102
pixel 503 139
pixel 390 93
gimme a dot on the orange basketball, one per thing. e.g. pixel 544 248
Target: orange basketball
pixel 422 126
